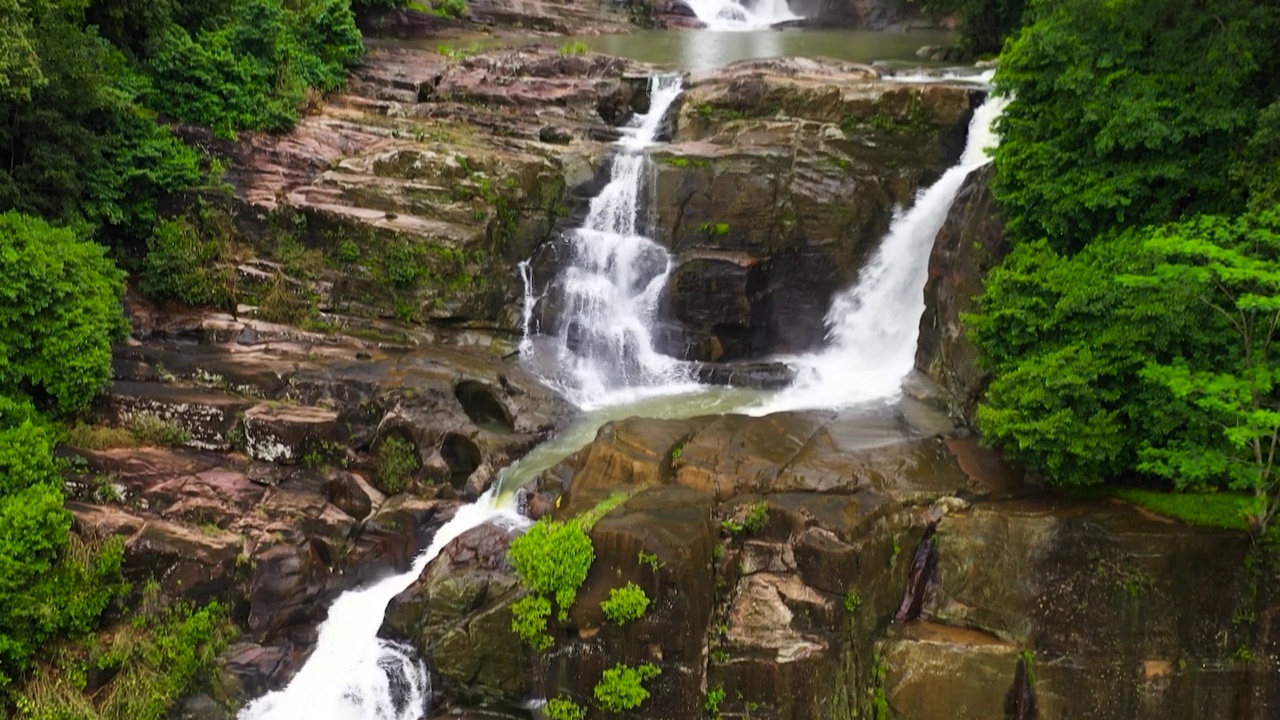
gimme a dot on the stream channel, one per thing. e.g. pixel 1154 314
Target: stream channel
pixel 610 370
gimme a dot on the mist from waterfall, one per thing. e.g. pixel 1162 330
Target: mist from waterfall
pixel 355 675
pixel 613 281
pixel 747 15
pixel 873 327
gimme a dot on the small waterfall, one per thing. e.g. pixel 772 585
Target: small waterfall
pixel 747 15
pixel 355 675
pixel 614 280
pixel 872 328
pixel 526 306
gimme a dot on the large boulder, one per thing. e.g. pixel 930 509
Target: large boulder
pixel 970 243
pixel 784 177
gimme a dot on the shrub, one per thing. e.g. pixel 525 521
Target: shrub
pixel 529 620
pixel 59 312
pixel 625 604
pixel 852 600
pixel 455 9
pixel 552 559
pixel 715 696
pixel 396 460
pixel 565 709
pixel 153 430
pixel 182 265
pixel 622 687
pixel 576 47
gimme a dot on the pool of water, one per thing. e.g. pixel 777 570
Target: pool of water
pixel 706 49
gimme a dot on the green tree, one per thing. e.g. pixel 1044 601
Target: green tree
pixel 48 588
pixel 59 312
pixel 1067 342
pixel 1128 113
pixel 984 24
pixel 1232 267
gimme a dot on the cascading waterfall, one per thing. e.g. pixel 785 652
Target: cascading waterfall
pixel 873 327
pixel 613 282
pixel 355 675
pixel 735 15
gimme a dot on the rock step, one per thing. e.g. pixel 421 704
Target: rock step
pixel 207 417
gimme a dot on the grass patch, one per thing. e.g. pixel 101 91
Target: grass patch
pixel 98 437
pixel 1207 509
pixel 159 657
pixel 155 430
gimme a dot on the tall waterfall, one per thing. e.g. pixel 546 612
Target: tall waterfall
pixel 745 15
pixel 614 280
pixel 872 328
pixel 355 675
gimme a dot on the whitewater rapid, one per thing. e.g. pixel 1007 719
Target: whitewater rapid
pixel 733 15
pixel 355 675
pixel 610 288
pixel 873 327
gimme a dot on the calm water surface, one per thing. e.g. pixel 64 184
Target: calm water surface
pixel 702 49
pixel 705 49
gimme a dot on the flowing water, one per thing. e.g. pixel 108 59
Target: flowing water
pixel 733 15
pixel 353 674
pixel 613 282
pixel 873 326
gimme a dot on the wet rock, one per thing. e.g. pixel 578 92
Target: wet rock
pixel 555 135
pixel 286 434
pixel 761 375
pixel 348 494
pixel 458 614
pixel 970 243
pixel 785 176
pixel 207 418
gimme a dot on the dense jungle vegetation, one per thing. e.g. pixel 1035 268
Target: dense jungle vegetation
pixel 89 90
pixel 1130 329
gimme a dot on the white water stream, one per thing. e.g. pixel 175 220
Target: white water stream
pixel 872 327
pixel 746 15
pixel 613 282
pixel 355 675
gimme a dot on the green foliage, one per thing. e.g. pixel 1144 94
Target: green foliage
pixel 59 312
pixel 625 604
pixel 49 586
pixel 1067 343
pixel 564 709
pixel 711 704
pixel 154 430
pixel 713 228
pixel 529 620
pixel 575 47
pixel 552 559
pixel 183 265
pixel 395 462
pixel 1148 353
pixel 757 517
pixel 454 9
pixel 852 600
pixel 984 24
pixel 1232 267
pixel 622 687
pixel 1208 509
pixel 77 146
pixel 650 559
pixel 253 67
pixel 1121 117
pixel 155 661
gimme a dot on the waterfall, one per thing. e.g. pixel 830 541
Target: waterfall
pixel 526 306
pixel 872 328
pixel 734 15
pixel 355 675
pixel 613 282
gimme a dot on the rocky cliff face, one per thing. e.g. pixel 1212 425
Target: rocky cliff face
pixel 970 243
pixel 783 177
pixel 789 579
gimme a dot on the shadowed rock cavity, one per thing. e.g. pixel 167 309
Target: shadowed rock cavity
pixel 1020 702
pixel 462 456
pixel 482 405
